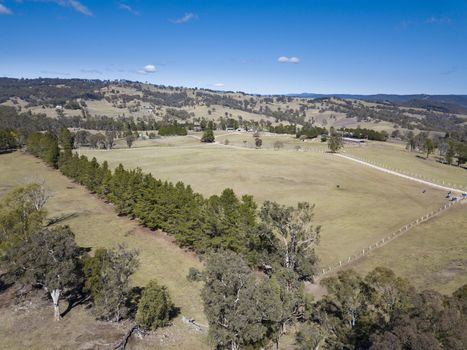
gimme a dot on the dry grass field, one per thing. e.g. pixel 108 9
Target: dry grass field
pixel 367 205
pixel 432 255
pixel 395 156
pixel 96 225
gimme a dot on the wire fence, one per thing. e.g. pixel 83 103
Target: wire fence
pixel 381 242
pixel 459 187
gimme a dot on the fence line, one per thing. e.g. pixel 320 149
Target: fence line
pixel 412 174
pixel 381 242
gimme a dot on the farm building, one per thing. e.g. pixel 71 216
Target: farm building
pixel 354 141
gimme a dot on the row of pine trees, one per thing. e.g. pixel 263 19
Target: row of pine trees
pixel 217 222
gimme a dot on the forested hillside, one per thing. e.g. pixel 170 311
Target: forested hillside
pixel 136 102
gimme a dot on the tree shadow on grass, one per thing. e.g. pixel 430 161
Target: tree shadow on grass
pixel 74 300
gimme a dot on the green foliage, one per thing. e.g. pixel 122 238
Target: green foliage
pixel 7 140
pixel 208 136
pixel 21 214
pixel 218 222
pixel 65 140
pixel 108 275
pixel 194 275
pixel 155 307
pixel 363 133
pixel 44 146
pixel 283 129
pixel 130 138
pixel 49 258
pixel 382 311
pixel 460 151
pixel 172 129
pixel 335 142
pixel 428 147
pixel 296 236
pixel 310 132
pixel 230 302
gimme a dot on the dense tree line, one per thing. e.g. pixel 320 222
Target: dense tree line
pixel 49 91
pixel 310 132
pixel 29 122
pixel 363 133
pixel 172 129
pixel 284 129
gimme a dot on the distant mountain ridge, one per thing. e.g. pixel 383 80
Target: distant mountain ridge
pixel 442 103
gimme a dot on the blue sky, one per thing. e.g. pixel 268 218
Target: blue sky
pixel 324 46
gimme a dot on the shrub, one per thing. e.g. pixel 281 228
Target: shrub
pixel 194 275
pixel 208 136
pixel 155 307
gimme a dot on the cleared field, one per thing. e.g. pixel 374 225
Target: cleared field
pixel 367 205
pixel 246 140
pixel 395 156
pixel 97 225
pixel 432 255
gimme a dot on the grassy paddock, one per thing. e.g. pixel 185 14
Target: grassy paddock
pixel 367 205
pixel 432 255
pixel 96 225
pixel 395 156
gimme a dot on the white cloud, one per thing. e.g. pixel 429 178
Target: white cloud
pixel 128 8
pixel 147 69
pixel 285 59
pixel 219 84
pixel 5 10
pixel 74 4
pixel 189 16
pixel 438 20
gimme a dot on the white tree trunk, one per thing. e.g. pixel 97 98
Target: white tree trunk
pixel 55 294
